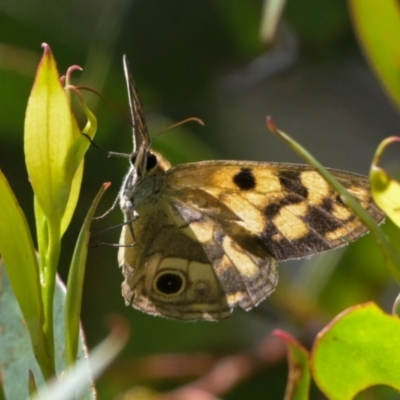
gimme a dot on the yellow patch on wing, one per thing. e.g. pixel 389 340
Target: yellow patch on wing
pixel 202 279
pixel 289 223
pixel 234 298
pixel 252 219
pixel 318 188
pixel 266 180
pixel 201 231
pixel 223 265
pixel 340 233
pixel 174 263
pixel 340 212
pixel 258 200
pixel 243 263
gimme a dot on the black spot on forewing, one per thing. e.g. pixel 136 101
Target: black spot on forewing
pixel 245 179
pixel 290 181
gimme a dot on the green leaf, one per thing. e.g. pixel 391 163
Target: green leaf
pixel 54 150
pixel 358 349
pixel 377 25
pixel 49 136
pixel 298 385
pixel 75 282
pixel 75 157
pixel 72 199
pixel 385 189
pixel 18 253
pixel 16 352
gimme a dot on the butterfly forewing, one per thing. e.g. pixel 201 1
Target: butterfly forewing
pixel 140 133
pixel 289 207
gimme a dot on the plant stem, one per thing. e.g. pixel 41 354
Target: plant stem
pixel 50 270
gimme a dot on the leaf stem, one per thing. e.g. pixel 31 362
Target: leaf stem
pixel 50 270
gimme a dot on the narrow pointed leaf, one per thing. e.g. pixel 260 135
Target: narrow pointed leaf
pixel 75 282
pixel 76 154
pixel 18 254
pixel 48 138
pixel 377 25
pixel 17 251
pixel 82 143
pixel 72 199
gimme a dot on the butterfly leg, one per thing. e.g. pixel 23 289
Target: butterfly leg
pixel 112 208
pixel 130 215
pixel 130 227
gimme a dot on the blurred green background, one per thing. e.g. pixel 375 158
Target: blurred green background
pixel 205 58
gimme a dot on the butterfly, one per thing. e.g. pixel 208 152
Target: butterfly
pixel 202 238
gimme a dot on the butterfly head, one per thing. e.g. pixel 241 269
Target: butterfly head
pixel 143 162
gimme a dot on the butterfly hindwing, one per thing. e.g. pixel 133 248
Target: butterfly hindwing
pixel 244 268
pixel 187 267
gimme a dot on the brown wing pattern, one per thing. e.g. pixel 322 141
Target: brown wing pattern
pixel 187 267
pixel 289 208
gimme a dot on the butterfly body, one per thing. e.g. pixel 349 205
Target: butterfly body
pixel 203 238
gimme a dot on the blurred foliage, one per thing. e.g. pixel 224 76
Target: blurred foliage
pixel 205 59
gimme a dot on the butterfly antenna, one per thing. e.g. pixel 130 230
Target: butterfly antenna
pixel 109 153
pixel 115 109
pixel 194 119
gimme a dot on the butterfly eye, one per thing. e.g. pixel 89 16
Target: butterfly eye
pixel 151 161
pixel 133 158
pixel 169 283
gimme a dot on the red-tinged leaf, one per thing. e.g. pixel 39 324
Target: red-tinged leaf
pixel 298 385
